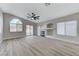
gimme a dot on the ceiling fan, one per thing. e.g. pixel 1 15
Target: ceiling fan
pixel 47 4
pixel 32 16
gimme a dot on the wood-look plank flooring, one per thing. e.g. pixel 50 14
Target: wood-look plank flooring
pixel 38 46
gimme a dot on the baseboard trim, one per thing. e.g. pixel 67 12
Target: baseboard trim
pixel 51 37
pixel 13 38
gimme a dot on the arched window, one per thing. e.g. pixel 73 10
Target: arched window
pixel 15 25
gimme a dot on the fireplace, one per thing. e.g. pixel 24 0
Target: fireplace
pixel 42 33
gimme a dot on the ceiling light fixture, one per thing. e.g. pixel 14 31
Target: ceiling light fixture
pixel 47 4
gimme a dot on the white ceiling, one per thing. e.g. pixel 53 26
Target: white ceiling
pixel 55 10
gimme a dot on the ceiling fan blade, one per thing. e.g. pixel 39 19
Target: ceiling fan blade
pixel 37 17
pixel 33 14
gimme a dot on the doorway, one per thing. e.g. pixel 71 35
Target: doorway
pixel 29 30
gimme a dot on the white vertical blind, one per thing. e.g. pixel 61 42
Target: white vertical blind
pixel 71 28
pixel 12 27
pixel 61 28
pixel 29 30
pixel 19 27
pixel 68 28
pixel 16 25
pixel 0 24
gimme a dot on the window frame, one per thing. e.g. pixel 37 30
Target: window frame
pixel 65 28
pixel 16 25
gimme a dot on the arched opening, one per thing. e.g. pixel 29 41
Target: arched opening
pixel 50 29
pixel 50 25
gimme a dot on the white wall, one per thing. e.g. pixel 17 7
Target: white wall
pixel 1 25
pixel 1 21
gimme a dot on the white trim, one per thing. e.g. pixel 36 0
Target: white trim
pixel 65 40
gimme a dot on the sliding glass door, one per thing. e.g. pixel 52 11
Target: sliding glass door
pixel 29 30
